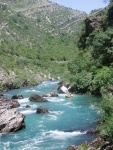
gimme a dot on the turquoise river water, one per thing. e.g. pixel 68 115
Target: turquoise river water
pixel 65 124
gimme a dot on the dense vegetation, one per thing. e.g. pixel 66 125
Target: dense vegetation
pixel 92 69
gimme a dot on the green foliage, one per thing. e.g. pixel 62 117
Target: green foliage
pixel 102 78
pixel 1 87
pixel 102 49
pixel 82 72
pixel 83 147
pixel 110 14
pixel 106 127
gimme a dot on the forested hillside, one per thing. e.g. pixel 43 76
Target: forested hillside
pixel 37 40
pixel 92 69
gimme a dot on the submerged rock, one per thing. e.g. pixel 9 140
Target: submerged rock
pixel 27 106
pixel 37 98
pixel 42 110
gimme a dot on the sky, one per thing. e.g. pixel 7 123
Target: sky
pixel 82 5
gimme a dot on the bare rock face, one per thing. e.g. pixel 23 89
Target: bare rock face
pixel 37 98
pixel 42 110
pixel 10 119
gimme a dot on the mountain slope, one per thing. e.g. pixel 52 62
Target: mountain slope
pixel 35 48
pixel 47 15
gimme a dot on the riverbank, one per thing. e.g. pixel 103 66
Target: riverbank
pixel 96 144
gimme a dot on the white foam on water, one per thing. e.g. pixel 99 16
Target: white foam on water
pixel 63 135
pixel 41 126
pixel 55 99
pixel 62 95
pixel 34 106
pixel 98 112
pixel 73 107
pixel 28 111
pixel 68 103
pixel 24 100
pixel 57 112
pixel 53 117
pixel 25 144
pixel 93 107
pixel 6 145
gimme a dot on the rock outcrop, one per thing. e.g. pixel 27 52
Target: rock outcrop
pixel 42 110
pixel 63 87
pixel 37 98
pixel 10 119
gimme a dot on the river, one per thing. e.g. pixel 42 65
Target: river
pixel 65 124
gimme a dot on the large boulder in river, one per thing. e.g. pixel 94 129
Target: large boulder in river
pixel 11 120
pixel 37 98
pixel 42 110
pixel 63 87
